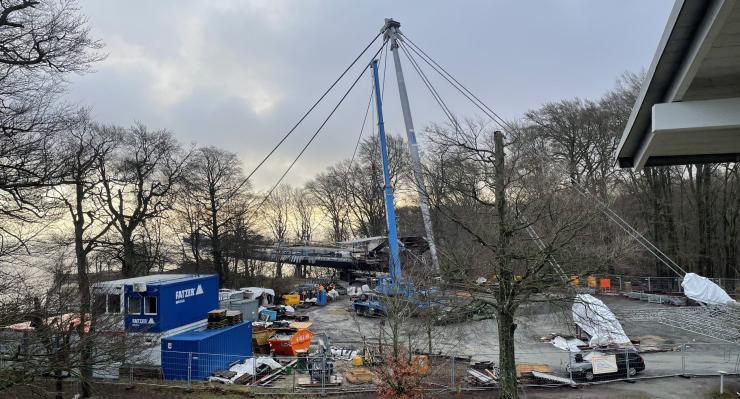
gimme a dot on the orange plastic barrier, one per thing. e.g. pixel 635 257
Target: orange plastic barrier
pixel 605 284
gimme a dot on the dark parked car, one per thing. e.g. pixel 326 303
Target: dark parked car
pixel 341 290
pixel 629 363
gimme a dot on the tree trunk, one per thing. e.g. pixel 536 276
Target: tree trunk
pixel 129 267
pixel 505 297
pixel 218 261
pixel 507 366
pixel 83 285
pixel 703 179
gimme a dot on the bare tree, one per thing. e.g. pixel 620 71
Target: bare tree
pixel 217 199
pixel 304 210
pixel 138 186
pixel 191 221
pixel 40 43
pixel 327 191
pixel 85 148
pixel 505 199
pixel 364 183
pixel 277 215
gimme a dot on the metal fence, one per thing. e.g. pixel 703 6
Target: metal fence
pixel 647 284
pixel 538 367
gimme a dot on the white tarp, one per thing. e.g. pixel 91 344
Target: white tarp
pixel 702 289
pixel 570 344
pixel 595 318
pixel 257 292
pixel 247 367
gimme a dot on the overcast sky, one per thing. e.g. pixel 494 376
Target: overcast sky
pixel 237 74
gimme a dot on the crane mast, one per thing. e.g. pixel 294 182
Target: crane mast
pixel 394 264
pixel 391 32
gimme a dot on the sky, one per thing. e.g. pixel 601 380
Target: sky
pixel 237 74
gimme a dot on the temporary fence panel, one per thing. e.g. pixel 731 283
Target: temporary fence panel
pixel 708 359
pixel 203 351
pixel 446 373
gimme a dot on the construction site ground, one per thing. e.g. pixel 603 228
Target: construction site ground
pixel 667 388
pixel 479 339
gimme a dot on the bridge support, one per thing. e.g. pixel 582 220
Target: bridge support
pixel 345 275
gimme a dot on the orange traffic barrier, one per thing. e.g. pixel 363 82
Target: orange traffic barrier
pixel 605 284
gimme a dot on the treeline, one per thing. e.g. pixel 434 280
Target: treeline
pixel 690 212
pixel 134 200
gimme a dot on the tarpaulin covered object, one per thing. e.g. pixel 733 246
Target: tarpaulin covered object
pixel 598 321
pixel 702 289
pixel 247 367
pixel 570 344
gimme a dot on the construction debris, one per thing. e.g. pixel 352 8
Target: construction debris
pixel 480 378
pixel 523 369
pixel 552 378
pixel 268 379
pixel 247 371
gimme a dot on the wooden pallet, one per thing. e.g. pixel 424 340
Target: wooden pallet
pixel 217 324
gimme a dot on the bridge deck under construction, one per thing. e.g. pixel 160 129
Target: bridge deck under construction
pixel 367 254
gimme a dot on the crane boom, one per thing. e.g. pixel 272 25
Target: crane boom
pixel 394 263
pixel 391 32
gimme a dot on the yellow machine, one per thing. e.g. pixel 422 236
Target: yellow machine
pixel 291 299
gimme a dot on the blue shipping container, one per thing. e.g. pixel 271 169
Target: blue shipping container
pixel 170 303
pixel 205 351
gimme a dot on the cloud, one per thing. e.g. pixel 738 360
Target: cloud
pixel 197 63
pixel 238 73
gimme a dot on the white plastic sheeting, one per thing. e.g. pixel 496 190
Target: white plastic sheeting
pixel 702 289
pixel 266 295
pixel 247 367
pixel 354 291
pixel 570 344
pixel 598 321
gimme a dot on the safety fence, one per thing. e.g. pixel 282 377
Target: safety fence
pixel 326 373
pixel 646 284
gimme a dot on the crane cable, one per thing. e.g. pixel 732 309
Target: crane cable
pixel 624 225
pixel 316 133
pixel 305 115
pixel 449 114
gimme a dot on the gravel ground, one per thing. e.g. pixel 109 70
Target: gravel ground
pixel 479 339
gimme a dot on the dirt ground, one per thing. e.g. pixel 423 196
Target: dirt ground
pixel 479 339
